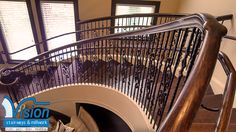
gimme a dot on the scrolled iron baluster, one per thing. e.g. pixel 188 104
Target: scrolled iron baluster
pixel 65 71
pixel 138 73
pixel 79 69
pixel 150 75
pixel 110 67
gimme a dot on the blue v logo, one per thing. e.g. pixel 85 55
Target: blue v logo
pixel 11 111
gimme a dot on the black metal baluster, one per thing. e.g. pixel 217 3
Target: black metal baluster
pixel 193 55
pixel 135 65
pixel 161 95
pixel 161 42
pixel 152 86
pixel 149 57
pixel 178 59
pixel 102 75
pixel 117 59
pixel 144 62
pixel 128 71
pixel 183 66
pixel 120 70
pixel 57 65
pixel 131 42
pixel 107 61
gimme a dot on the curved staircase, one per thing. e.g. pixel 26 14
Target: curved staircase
pixel 164 68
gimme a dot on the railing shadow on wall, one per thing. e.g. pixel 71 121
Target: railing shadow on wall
pixel 151 65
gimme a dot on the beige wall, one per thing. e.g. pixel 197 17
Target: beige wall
pixel 216 7
pixel 100 8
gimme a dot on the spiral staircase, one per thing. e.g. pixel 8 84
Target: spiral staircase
pixel 163 62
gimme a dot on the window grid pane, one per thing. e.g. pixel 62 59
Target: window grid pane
pixel 126 9
pixel 16 27
pixel 58 17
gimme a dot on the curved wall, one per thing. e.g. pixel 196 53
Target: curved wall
pixel 63 100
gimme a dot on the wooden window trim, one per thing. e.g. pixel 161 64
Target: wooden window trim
pixel 135 2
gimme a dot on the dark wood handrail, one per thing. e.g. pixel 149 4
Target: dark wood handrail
pixel 131 15
pixel 229 93
pixel 219 18
pixel 224 17
pixel 94 20
pixel 196 20
pixel 184 110
pixel 230 37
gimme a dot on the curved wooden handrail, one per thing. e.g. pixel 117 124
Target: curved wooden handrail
pixel 131 15
pixel 224 17
pixel 196 20
pixel 219 18
pixel 229 93
pixel 94 20
pixel 184 110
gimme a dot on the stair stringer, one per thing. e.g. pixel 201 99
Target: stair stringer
pixel 63 99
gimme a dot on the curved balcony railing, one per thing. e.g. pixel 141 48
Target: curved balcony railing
pixel 115 24
pixel 123 23
pixel 165 68
pixel 109 25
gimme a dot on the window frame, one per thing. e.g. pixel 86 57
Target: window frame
pixel 134 2
pixel 34 31
pixel 41 23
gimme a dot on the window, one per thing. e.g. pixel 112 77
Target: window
pixel 126 7
pixel 17 29
pixel 58 17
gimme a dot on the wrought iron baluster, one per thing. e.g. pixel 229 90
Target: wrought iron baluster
pixel 150 69
pixel 197 44
pixel 159 64
pixel 144 62
pixel 154 72
pixel 178 59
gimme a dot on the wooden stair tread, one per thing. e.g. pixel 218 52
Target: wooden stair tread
pixel 209 127
pixel 213 100
pixel 205 116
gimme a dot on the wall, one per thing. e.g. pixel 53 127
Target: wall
pixel 99 8
pixel 64 99
pixel 216 7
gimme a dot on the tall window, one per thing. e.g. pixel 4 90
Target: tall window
pixel 126 7
pixel 16 30
pixel 58 17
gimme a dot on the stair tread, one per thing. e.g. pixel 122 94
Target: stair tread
pixel 212 100
pixel 209 127
pixel 205 116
